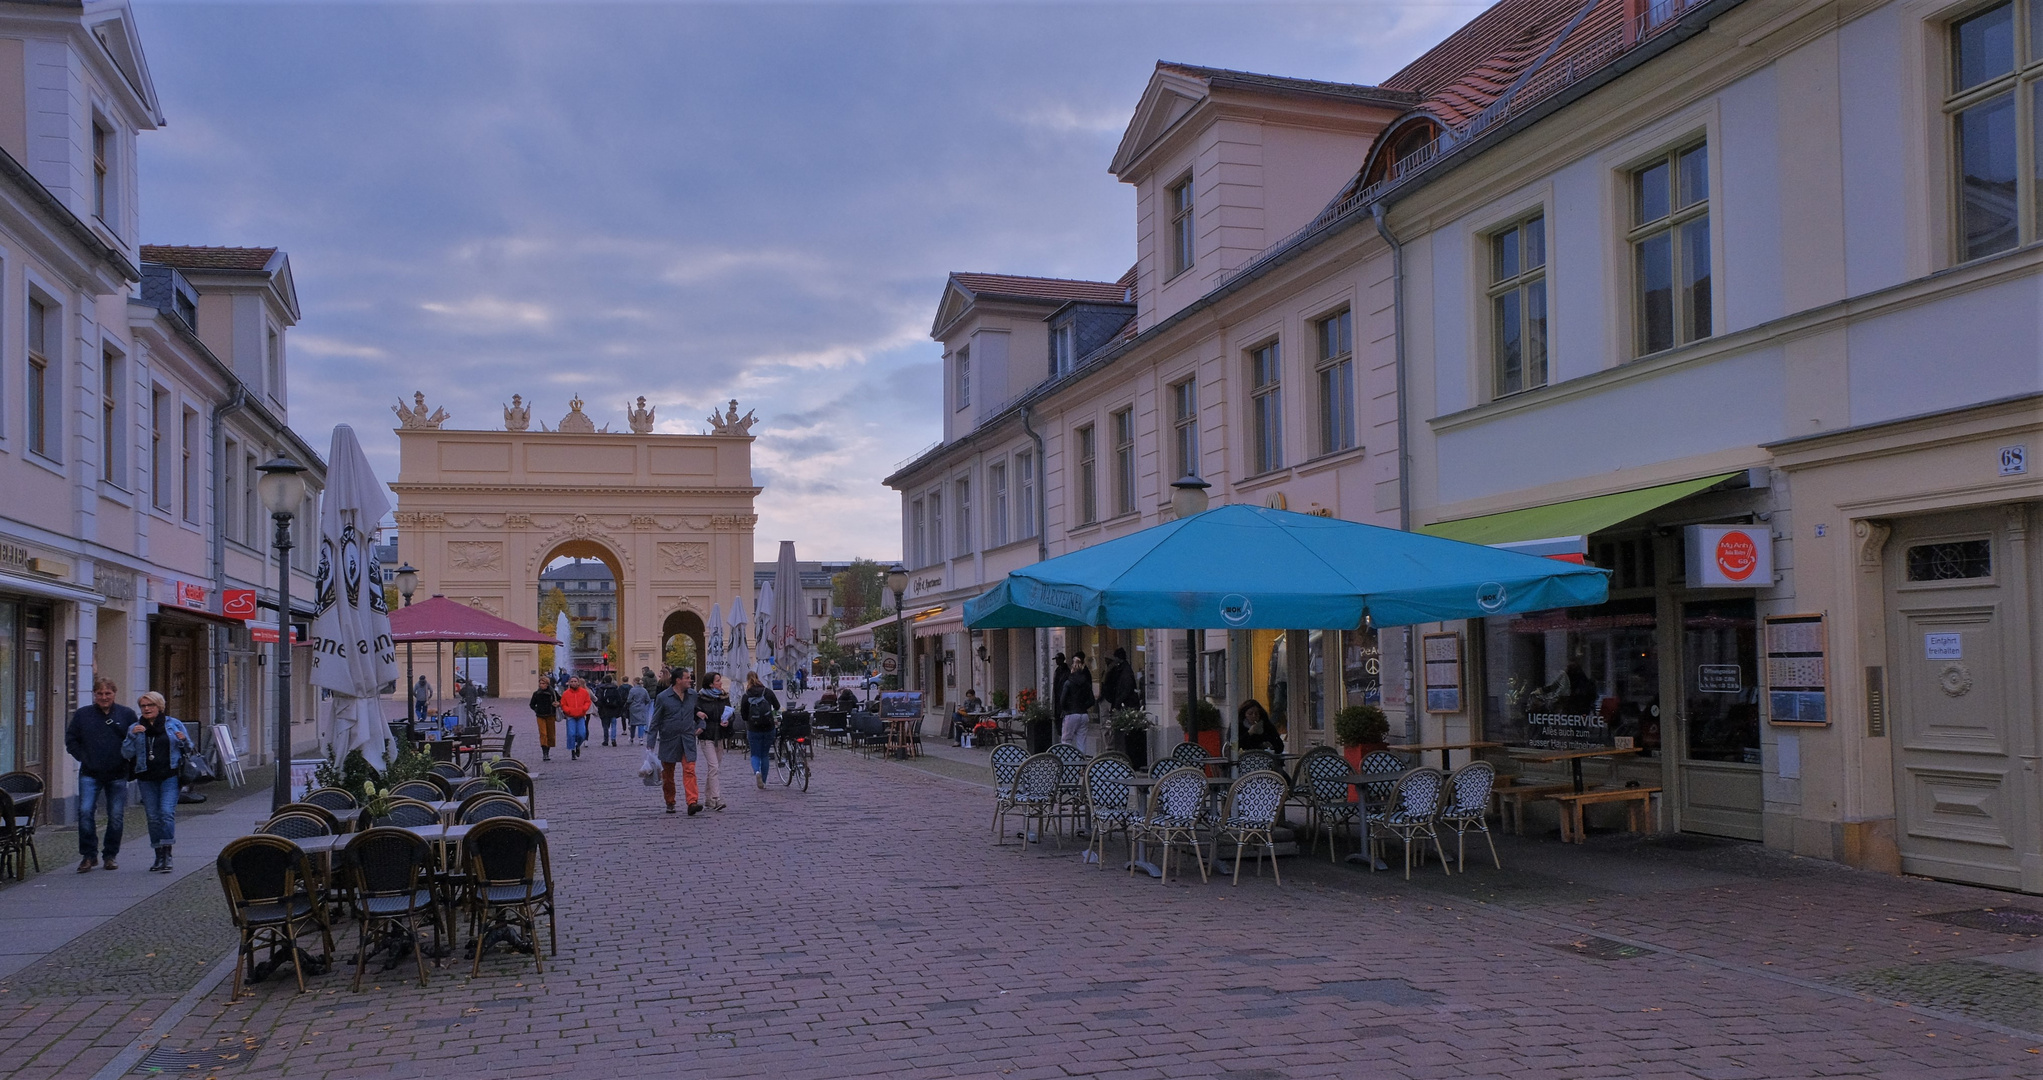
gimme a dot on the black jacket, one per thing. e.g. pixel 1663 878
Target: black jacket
pixel 545 702
pixel 95 738
pixel 1117 687
pixel 1057 680
pixel 1077 696
pixel 747 710
pixel 713 703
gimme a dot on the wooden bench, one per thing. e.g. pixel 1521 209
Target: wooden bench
pixel 1511 800
pixel 1636 800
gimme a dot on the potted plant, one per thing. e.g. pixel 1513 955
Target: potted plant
pixel 1361 730
pixel 1039 726
pixel 1131 730
pixel 1200 720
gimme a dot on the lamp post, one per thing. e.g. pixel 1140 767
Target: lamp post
pixel 282 490
pixel 897 583
pixel 1188 499
pixel 407 584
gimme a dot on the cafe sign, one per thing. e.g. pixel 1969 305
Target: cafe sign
pixel 1730 557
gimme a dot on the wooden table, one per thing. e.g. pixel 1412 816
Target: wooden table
pixel 1575 758
pixel 1445 749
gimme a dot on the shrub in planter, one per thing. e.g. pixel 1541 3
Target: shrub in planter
pixel 1201 721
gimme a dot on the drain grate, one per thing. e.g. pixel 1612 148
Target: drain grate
pixel 165 1060
pixel 1995 920
pixel 1596 948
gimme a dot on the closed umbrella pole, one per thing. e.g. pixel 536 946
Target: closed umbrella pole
pixel 353 653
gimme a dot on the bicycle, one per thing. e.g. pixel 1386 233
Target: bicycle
pixel 793 753
pixel 480 719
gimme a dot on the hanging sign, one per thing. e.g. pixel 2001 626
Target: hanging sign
pixel 1730 557
pixel 190 596
pixel 238 603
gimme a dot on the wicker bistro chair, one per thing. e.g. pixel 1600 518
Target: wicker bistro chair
pixel 468 788
pixel 391 874
pixel 510 882
pixel 18 784
pixel 1186 753
pixel 1070 784
pixel 1466 808
pixel 422 790
pixel 297 825
pixel 339 800
pixel 1388 767
pixel 1177 808
pixel 490 804
pixel 516 780
pixel 513 763
pixel 266 879
pixel 1251 818
pixel 335 824
pixel 1325 780
pixel 1035 795
pixel 1258 761
pixel 1006 762
pixel 1107 802
pixel 407 814
pixel 1411 813
pixel 450 771
pixel 17 839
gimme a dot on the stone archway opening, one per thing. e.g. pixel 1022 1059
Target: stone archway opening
pixel 692 635
pixel 593 586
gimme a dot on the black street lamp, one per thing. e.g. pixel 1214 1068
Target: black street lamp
pixel 407 584
pixel 282 490
pixel 897 582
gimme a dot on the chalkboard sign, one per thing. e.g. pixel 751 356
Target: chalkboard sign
pixel 1563 731
pixel 901 704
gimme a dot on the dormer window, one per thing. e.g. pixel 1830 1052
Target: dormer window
pixel 964 361
pixel 1060 350
pixel 102 199
pixel 273 357
pixel 1181 226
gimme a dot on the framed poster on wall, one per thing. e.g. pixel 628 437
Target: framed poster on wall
pixel 1442 653
pixel 1797 671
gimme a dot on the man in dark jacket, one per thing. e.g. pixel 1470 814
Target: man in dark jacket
pixel 671 734
pixel 1077 701
pixel 609 707
pixel 94 737
pixel 1117 686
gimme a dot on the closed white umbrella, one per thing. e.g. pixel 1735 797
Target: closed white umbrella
pixel 737 648
pixel 790 622
pixel 353 655
pixel 563 656
pixel 715 660
pixel 763 634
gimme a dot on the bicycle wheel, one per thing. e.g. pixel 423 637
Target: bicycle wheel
pixel 790 765
pixel 805 772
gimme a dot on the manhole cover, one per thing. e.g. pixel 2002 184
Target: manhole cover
pixel 1596 948
pixel 165 1060
pixel 1996 920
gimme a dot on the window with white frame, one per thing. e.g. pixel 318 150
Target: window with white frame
pixel 192 460
pixel 1518 307
pixel 1184 416
pixel 160 448
pixel 1183 226
pixel 917 534
pixel 935 499
pixel 102 183
pixel 1995 97
pixel 964 377
pixel 1025 494
pixel 1670 241
pixel 251 505
pixel 230 491
pixel 1061 357
pixel 273 356
pixel 961 514
pixel 996 508
pixel 110 440
pixel 1334 337
pixel 1266 409
pixel 44 385
pixel 1086 453
pixel 1123 427
pixel 819 607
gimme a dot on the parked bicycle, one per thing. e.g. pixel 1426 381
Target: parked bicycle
pixel 792 751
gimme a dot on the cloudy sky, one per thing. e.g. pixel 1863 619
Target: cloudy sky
pixel 692 202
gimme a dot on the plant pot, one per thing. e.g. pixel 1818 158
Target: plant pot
pixel 1355 754
pixel 1208 741
pixel 1135 744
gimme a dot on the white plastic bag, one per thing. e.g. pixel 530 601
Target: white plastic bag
pixel 649 768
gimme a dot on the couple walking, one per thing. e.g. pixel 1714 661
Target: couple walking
pixel 689 723
pixel 113 745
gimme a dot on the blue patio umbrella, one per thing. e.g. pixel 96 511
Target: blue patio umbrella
pixel 1245 567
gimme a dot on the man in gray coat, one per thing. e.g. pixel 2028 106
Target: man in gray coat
pixel 671 735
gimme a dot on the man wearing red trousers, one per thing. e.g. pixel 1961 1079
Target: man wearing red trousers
pixel 671 734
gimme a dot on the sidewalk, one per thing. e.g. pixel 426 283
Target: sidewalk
pixel 51 910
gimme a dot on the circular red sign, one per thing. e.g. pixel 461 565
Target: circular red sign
pixel 1737 555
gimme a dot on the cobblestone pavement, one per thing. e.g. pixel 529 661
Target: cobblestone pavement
pixel 871 927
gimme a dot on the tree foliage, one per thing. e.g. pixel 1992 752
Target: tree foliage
pixel 552 605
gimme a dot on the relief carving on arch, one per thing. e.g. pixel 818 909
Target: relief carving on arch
pixel 476 556
pixel 684 558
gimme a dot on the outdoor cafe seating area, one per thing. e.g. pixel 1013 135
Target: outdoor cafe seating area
pixel 459 859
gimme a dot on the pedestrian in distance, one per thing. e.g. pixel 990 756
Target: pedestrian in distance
pixel 422 697
pixel 575 706
pixel 94 737
pixel 638 710
pixel 1118 688
pixel 671 735
pixel 545 705
pixel 716 727
pixel 1077 702
pixel 760 710
pixel 155 746
pixel 610 703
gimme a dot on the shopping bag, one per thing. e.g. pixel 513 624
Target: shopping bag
pixel 649 768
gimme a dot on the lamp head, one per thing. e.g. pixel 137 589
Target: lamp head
pixel 282 487
pixel 407 581
pixel 1188 496
pixel 897 580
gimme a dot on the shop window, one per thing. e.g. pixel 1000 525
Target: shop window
pixel 1630 562
pixel 1719 664
pixel 1952 561
pixel 1596 665
pixel 1361 668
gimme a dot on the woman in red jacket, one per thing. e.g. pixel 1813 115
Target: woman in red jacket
pixel 576 704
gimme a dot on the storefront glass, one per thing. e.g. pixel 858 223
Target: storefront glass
pixel 1361 668
pixel 10 683
pixel 1578 670
pixel 1315 680
pixel 1720 649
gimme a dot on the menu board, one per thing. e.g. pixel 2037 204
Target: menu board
pixel 1442 654
pixel 1797 671
pixel 901 704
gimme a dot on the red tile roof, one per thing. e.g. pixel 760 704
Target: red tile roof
pixel 1285 85
pixel 1060 290
pixel 208 258
pixel 1461 76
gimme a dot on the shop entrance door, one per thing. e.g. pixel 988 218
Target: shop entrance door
pixel 1717 749
pixel 1965 802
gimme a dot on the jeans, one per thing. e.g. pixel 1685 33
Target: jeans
pixel 577 731
pixel 159 804
pixel 761 744
pixel 609 729
pixel 90 789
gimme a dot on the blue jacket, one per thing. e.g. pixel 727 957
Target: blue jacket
pixel 135 746
pixel 96 739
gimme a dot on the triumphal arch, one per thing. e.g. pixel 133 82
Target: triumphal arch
pixel 480 513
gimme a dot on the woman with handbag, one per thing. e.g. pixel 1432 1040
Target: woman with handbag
pixel 157 746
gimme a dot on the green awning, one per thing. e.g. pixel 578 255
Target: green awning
pixel 1578 517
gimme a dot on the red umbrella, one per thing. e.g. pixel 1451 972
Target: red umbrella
pixel 441 619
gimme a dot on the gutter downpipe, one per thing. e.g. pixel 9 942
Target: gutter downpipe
pixel 1042 547
pixel 217 633
pixel 1404 445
